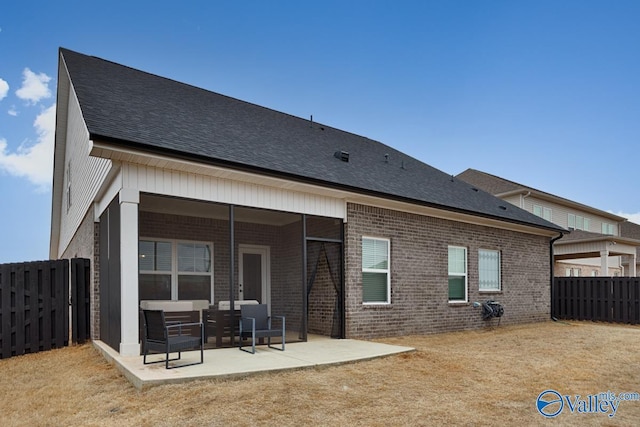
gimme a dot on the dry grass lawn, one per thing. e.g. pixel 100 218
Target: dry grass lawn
pixel 489 377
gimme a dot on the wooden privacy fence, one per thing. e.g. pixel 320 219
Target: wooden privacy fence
pixel 34 305
pixel 605 299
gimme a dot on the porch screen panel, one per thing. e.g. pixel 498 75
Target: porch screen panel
pixel 154 264
pixel 154 286
pixel 194 271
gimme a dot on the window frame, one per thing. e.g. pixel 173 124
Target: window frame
pixel 608 229
pixel 175 273
pixel 489 290
pixel 465 275
pixel 68 187
pixel 543 212
pixel 579 222
pixel 386 271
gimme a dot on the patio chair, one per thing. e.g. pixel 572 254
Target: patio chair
pixel 255 322
pixel 165 337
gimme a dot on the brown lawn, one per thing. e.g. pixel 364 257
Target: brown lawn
pixel 489 377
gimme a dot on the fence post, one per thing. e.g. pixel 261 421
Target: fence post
pixel 5 310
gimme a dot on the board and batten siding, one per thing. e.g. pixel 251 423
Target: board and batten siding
pixel 87 174
pixel 148 179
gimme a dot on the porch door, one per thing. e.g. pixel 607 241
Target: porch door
pixel 254 273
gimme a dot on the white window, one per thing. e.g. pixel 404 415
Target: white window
pixel 542 212
pixel 577 222
pixel 376 277
pixel 175 270
pixel 608 229
pixel 457 274
pixel 68 188
pixel 489 270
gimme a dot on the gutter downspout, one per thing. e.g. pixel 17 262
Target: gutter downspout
pixel 552 273
pixel 522 200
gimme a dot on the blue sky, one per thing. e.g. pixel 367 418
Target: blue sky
pixel 545 93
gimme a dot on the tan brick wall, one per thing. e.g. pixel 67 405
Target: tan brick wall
pixel 419 272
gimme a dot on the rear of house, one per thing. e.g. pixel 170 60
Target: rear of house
pixel 178 193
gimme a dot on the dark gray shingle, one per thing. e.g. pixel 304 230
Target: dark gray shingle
pixel 136 109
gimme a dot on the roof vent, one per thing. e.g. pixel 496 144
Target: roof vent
pixel 342 155
pixel 504 208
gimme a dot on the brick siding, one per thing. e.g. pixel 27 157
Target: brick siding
pixel 419 274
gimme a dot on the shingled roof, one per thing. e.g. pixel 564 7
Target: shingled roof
pixel 134 109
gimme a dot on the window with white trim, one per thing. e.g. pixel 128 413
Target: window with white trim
pixel 457 274
pixel 489 270
pixel 376 273
pixel 608 229
pixel 68 187
pixel 577 222
pixel 175 270
pixel 542 212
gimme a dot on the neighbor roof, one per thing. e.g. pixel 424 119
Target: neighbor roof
pixel 134 109
pixel 501 187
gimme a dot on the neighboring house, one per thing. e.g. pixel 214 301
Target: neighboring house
pixel 175 192
pixel 631 230
pixel 596 246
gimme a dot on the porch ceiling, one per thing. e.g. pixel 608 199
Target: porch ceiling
pixel 578 250
pixel 194 208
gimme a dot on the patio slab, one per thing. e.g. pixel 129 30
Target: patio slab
pixel 233 363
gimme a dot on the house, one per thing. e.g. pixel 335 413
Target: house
pixel 631 230
pixel 597 244
pixel 179 193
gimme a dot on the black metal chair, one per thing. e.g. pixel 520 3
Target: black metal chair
pixel 162 337
pixel 255 322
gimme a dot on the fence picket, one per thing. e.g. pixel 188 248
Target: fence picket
pixel 606 299
pixel 34 306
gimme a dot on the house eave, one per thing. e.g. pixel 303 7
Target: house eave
pixel 134 153
pixel 561 201
pixel 603 238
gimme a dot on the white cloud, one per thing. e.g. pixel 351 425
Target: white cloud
pixel 633 217
pixel 4 89
pixel 34 87
pixel 12 111
pixel 33 162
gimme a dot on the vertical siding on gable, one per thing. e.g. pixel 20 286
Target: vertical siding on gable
pixel 87 174
pixel 149 179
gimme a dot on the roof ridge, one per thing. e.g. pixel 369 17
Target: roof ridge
pixel 320 124
pixel 125 106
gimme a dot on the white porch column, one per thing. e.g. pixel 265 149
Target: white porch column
pixel 604 263
pixel 632 266
pixel 129 340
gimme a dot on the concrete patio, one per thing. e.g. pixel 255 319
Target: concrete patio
pixel 233 363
